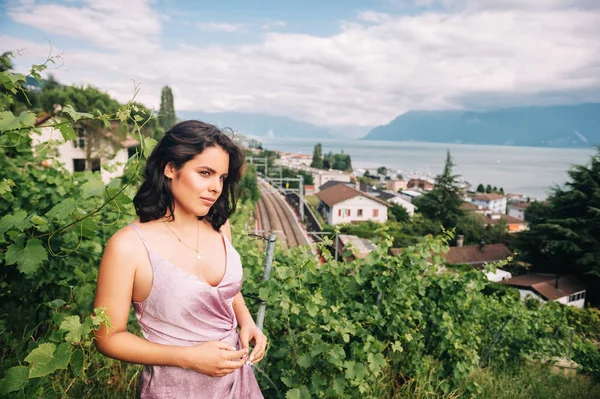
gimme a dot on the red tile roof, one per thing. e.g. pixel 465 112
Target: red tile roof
pixel 520 205
pixel 476 255
pixel 488 197
pixel 545 284
pixel 341 192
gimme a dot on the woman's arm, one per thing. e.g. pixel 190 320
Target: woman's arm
pixel 116 278
pixel 249 332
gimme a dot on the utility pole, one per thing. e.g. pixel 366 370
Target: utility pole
pixel 301 198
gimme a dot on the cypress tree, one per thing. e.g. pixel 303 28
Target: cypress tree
pixel 167 109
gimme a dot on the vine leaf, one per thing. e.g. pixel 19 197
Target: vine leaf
pixel 47 358
pixel 73 327
pixel 91 188
pixel 61 210
pixel 9 122
pixel 14 379
pixel 76 115
pixel 67 132
pixel 29 257
pixel 15 220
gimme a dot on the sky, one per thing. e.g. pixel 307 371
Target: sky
pixel 333 63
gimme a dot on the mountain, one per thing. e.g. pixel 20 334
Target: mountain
pixel 555 126
pixel 259 124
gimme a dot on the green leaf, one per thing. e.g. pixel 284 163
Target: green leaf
pixel 305 360
pixel 8 121
pixel 6 186
pixel 61 210
pixel 57 303
pixel 74 114
pixel 42 354
pixel 293 394
pixel 77 367
pixel 28 259
pixel 73 327
pixel 91 188
pixel 67 132
pixel 38 220
pixel 15 220
pixel 14 379
pixel 149 144
pixel 47 358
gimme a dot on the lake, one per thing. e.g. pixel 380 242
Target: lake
pixel 530 171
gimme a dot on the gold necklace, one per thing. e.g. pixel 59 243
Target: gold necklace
pixel 198 255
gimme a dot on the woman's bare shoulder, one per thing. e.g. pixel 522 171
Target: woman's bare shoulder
pixel 126 242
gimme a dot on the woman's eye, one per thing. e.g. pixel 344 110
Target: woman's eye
pixel 223 178
pixel 204 173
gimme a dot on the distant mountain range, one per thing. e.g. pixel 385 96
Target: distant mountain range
pixel 555 126
pixel 261 125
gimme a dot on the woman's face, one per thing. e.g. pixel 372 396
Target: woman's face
pixel 198 184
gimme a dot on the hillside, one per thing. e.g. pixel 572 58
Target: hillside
pixel 259 124
pixel 556 126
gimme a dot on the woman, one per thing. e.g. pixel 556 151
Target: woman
pixel 178 267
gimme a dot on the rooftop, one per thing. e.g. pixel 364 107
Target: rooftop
pixel 549 286
pixel 477 254
pixel 360 247
pixel 488 197
pixel 341 192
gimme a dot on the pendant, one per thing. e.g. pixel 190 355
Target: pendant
pixel 198 256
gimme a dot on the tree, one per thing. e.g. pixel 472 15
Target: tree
pixel 248 186
pixel 488 189
pixel 480 188
pixel 442 204
pixel 501 190
pixel 564 232
pixel 399 177
pixel 167 108
pixel 317 159
pixel 94 137
pixel 399 213
pixel 382 170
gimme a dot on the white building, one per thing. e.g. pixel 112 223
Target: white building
pixel 343 204
pixel 321 177
pixel 410 208
pixel 517 209
pixel 494 202
pixel 72 154
pixel 566 289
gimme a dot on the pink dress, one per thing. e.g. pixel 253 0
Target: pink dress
pixel 183 310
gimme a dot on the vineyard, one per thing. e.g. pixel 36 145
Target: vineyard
pixel 381 327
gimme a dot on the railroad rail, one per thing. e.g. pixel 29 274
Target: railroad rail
pixel 275 215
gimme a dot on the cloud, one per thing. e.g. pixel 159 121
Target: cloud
pixel 221 27
pixel 109 24
pixel 374 68
pixel 272 25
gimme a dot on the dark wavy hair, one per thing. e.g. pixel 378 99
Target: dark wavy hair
pixel 181 143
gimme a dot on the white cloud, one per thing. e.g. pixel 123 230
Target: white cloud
pixel 273 25
pixel 374 68
pixel 110 24
pixel 221 27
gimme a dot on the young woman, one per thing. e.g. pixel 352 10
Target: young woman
pixel 178 267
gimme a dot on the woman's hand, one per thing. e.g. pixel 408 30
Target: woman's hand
pixel 214 358
pixel 249 333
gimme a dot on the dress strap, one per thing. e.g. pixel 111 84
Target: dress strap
pixel 141 235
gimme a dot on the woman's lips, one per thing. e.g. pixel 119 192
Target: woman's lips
pixel 208 200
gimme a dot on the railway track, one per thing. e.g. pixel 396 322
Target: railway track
pixel 276 216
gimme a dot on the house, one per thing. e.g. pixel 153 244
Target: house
pixel 321 177
pixel 420 184
pixel 343 204
pixel 389 196
pixel 359 247
pixel 494 202
pixel 566 289
pixel 478 255
pixel 73 155
pixel 517 209
pixel 309 189
pixel 471 207
pixel 409 195
pixel 396 185
pixel 332 183
pixel 513 225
